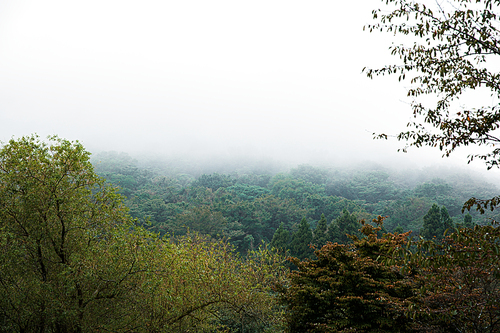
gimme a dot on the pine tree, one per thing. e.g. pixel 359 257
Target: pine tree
pixel 468 222
pixel 345 224
pixel 432 221
pixel 320 233
pixel 436 222
pixel 398 229
pixel 301 240
pixel 446 221
pixel 280 238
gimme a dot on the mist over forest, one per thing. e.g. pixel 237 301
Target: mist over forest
pixel 249 167
pixel 165 192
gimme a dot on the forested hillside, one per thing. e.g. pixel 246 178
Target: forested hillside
pixel 248 205
pixel 74 260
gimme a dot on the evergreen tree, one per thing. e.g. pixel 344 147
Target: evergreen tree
pixel 468 221
pixel 432 221
pixel 280 238
pixel 446 221
pixel 345 224
pixel 320 233
pixel 301 239
pixel 398 229
pixel 436 222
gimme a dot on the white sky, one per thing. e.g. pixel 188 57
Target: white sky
pixel 274 78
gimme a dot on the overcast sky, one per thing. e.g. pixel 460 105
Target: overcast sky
pixel 263 78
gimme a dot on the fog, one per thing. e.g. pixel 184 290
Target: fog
pixel 254 79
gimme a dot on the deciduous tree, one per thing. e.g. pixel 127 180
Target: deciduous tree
pixel 457 281
pixel 451 51
pixel 72 259
pixel 67 250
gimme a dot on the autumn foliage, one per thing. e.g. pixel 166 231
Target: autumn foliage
pixel 347 289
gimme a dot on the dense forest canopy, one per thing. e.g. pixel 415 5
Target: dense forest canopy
pixel 247 205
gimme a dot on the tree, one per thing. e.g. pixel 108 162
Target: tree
pixel 201 219
pixel 468 222
pixel 198 284
pixel 280 238
pixel 72 259
pixel 453 46
pixel 436 222
pixel 320 236
pixel 213 181
pixel 456 281
pixel 301 239
pixel 347 289
pixel 344 225
pixel 68 251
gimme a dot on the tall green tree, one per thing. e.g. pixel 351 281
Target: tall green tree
pixel 468 221
pixel 436 222
pixel 320 236
pixel 452 50
pixel 68 253
pixel 281 238
pixel 344 225
pixel 301 240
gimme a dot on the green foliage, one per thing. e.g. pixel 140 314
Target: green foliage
pixel 74 261
pixel 398 229
pixel 310 174
pixel 301 240
pixel 247 192
pixel 68 249
pixel 164 199
pixel 121 170
pixel 441 193
pixel 281 238
pixel 320 236
pixel 344 225
pixel 436 222
pixel 261 217
pixel 198 284
pixel 467 222
pixel 407 213
pixel 345 289
pixel 213 181
pixel 296 189
pixel 450 52
pixel 260 180
pixel 370 186
pixel 200 219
